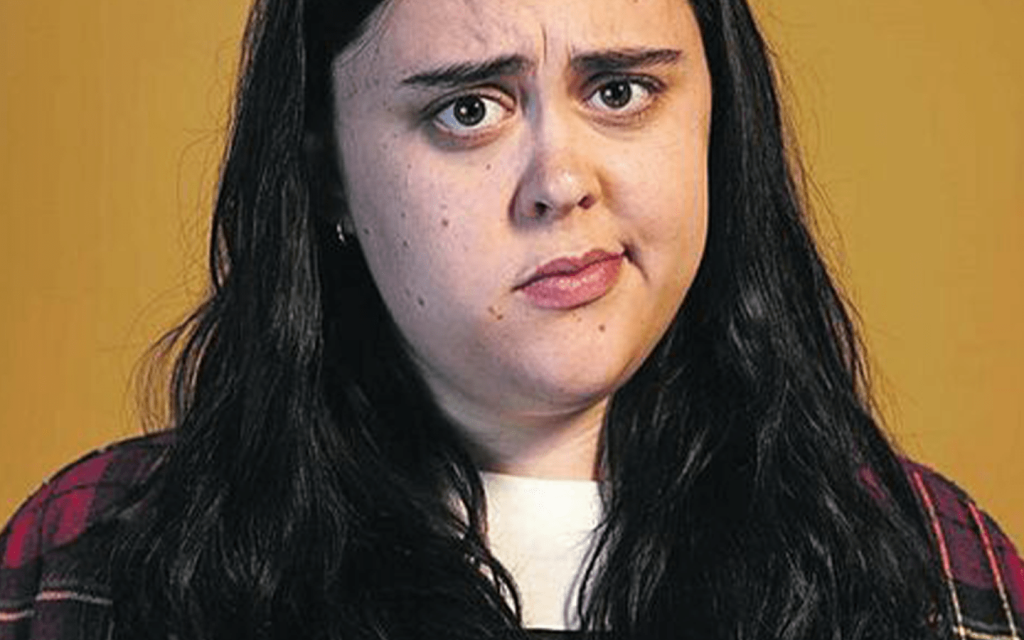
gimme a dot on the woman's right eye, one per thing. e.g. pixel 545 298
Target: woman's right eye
pixel 470 115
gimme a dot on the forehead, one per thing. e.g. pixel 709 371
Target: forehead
pixel 406 35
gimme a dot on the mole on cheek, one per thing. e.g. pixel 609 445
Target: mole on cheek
pixel 497 315
pixel 445 222
pixel 600 328
pixel 420 301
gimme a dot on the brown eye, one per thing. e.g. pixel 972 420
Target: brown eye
pixel 469 111
pixel 626 97
pixel 616 95
pixel 471 114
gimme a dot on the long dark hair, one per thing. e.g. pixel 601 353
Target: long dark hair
pixel 311 490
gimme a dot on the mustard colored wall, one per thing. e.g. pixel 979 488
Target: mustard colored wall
pixel 111 119
pixel 911 119
pixel 910 116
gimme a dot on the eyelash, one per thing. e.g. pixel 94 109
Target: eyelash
pixel 652 88
pixel 445 111
pixel 443 117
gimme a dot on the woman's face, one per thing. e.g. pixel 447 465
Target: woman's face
pixel 527 181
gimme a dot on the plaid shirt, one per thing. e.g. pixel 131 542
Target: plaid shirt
pixel 52 581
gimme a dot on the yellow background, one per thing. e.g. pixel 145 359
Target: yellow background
pixel 909 113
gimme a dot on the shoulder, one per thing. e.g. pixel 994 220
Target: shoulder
pixel 49 561
pixel 984 574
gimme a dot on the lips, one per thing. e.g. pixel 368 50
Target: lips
pixel 570 282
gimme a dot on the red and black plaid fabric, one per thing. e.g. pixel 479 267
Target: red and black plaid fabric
pixel 53 587
pixel 984 574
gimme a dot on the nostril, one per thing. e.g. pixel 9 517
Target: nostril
pixel 587 201
pixel 540 209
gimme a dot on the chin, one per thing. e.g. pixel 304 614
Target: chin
pixel 572 392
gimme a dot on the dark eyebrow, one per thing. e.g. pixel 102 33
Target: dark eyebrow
pixel 622 59
pixel 466 73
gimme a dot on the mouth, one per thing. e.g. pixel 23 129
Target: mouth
pixel 570 282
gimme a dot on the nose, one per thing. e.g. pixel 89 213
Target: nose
pixel 560 176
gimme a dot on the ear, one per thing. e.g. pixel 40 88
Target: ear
pixel 327 193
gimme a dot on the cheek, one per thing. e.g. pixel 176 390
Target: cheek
pixel 379 198
pixel 416 241
pixel 688 232
pixel 668 203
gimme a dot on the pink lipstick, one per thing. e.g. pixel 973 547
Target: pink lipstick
pixel 565 283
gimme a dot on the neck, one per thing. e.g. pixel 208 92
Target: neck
pixel 546 446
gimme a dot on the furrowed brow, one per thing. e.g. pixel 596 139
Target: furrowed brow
pixel 467 73
pixel 623 59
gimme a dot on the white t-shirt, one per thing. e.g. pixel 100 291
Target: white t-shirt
pixel 541 531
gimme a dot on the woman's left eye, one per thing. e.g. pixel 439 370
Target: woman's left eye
pixel 623 96
pixel 470 114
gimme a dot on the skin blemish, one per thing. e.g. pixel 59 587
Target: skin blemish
pixel 405 244
pixel 366 231
pixel 600 328
pixel 445 222
pixel 497 315
pixel 420 301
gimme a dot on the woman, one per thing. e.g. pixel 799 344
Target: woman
pixel 462 242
